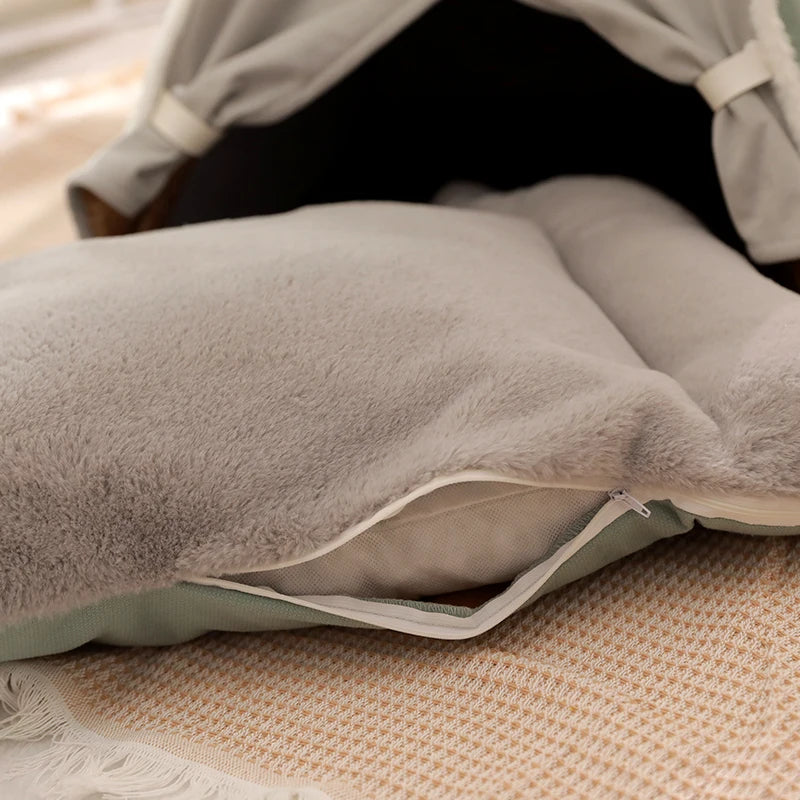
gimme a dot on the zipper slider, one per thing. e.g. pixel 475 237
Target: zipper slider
pixel 621 496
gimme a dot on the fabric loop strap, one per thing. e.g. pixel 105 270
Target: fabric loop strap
pixel 734 76
pixel 179 125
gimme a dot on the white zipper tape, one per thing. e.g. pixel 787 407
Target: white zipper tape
pixel 780 512
pixel 395 507
pixel 770 511
pixel 408 619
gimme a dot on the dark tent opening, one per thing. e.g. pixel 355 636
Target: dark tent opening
pixel 490 91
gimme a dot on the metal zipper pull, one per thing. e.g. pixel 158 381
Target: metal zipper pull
pixel 620 495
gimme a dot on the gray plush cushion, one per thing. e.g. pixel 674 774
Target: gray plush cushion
pixel 217 399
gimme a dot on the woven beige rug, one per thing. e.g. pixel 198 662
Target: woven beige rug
pixel 672 674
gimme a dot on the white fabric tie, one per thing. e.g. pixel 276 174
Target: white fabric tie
pixel 734 76
pixel 176 123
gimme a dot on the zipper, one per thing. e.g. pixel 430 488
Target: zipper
pixel 622 496
pixel 768 511
pixel 441 625
pixel 395 507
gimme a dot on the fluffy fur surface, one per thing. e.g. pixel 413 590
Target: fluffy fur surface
pixel 196 401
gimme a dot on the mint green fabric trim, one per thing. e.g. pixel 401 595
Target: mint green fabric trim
pixel 185 611
pixel 631 532
pixel 159 617
pixel 169 616
pixel 790 11
pixel 730 526
pixel 626 535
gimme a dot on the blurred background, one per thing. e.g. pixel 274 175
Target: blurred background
pixel 69 78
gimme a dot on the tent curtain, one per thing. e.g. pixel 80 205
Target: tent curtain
pixel 254 63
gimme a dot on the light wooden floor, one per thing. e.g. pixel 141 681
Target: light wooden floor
pixel 52 137
pixel 34 171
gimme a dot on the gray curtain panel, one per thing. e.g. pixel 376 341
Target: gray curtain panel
pixel 255 62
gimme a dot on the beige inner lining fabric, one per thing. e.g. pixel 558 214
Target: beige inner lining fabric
pixel 457 537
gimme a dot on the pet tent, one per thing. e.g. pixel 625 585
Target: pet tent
pixel 226 67
pixel 415 416
pixel 347 412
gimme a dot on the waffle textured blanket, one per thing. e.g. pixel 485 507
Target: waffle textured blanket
pixel 672 674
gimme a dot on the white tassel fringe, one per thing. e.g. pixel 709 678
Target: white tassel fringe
pixel 83 766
